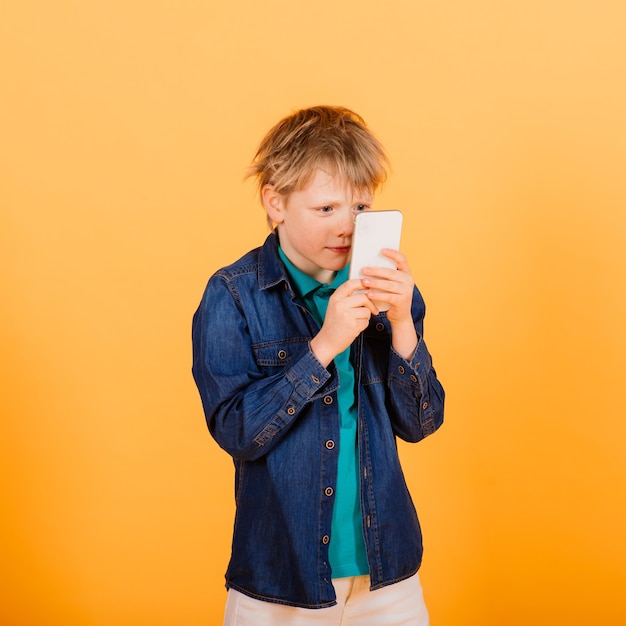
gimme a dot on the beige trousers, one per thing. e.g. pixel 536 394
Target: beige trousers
pixel 400 604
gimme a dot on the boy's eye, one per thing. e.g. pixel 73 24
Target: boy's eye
pixel 361 207
pixel 326 209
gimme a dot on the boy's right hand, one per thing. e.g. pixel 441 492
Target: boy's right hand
pixel 348 314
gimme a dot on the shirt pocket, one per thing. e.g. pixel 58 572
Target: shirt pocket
pixel 272 356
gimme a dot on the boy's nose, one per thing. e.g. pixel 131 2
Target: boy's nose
pixel 347 225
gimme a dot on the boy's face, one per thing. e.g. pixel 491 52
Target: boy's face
pixel 315 224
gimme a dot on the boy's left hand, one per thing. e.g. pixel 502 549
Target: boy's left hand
pixel 396 288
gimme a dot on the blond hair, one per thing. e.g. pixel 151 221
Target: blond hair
pixel 333 138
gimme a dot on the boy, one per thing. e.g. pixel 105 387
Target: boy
pixel 307 386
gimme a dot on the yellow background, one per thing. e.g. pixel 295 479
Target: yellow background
pixel 125 128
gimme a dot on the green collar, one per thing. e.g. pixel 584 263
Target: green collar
pixel 305 284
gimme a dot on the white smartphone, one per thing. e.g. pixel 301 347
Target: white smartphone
pixel 373 231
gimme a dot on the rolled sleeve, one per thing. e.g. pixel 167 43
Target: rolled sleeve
pixel 416 393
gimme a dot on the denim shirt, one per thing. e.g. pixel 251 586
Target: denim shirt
pixel 273 407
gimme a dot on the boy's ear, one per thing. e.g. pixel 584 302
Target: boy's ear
pixel 274 203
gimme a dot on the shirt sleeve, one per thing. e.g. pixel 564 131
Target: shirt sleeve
pixel 416 395
pixel 247 411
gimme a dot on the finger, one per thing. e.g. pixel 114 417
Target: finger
pixel 369 305
pixel 397 257
pixel 388 273
pixel 361 300
pixel 349 287
pixel 394 282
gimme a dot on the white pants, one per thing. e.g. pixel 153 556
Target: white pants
pixel 400 604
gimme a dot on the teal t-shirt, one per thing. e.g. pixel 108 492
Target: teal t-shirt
pixel 347 548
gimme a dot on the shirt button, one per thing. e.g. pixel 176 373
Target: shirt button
pixel 401 369
pixel 330 444
pixel 291 410
pixel 325 539
pixel 380 327
pixel 315 379
pixel 329 491
pixel 425 405
pixel 282 355
pixel 328 399
pixel 414 378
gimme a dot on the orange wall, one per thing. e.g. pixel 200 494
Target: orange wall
pixel 125 127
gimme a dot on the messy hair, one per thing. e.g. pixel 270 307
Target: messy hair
pixel 333 138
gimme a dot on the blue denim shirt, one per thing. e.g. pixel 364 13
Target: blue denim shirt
pixel 273 407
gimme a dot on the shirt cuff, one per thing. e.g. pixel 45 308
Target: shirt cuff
pixel 308 375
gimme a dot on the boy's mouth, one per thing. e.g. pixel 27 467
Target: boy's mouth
pixel 340 249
